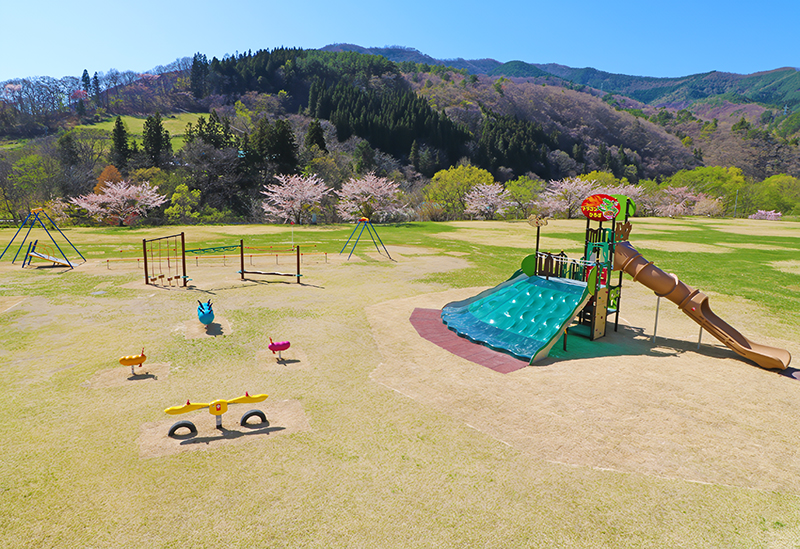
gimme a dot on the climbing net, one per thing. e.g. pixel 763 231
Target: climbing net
pixel 165 260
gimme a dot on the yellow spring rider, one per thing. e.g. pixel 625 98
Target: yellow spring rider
pixel 133 360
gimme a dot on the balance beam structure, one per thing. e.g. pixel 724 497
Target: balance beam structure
pixel 243 272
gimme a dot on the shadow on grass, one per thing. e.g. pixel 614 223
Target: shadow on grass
pixel 140 377
pixel 270 282
pixel 226 434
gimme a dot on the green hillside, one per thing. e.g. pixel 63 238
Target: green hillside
pixel 518 69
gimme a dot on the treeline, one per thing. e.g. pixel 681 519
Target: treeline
pixel 366 96
pixel 358 113
pixel 390 119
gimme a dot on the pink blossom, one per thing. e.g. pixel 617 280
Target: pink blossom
pixel 79 94
pixel 371 196
pixel 678 201
pixel 565 196
pixel 487 200
pixel 771 215
pixel 294 197
pixel 121 202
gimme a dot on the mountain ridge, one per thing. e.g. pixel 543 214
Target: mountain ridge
pixel 775 87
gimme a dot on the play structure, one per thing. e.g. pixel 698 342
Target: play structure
pixel 243 271
pixel 278 346
pixel 554 295
pixel 165 260
pixel 41 251
pixel 216 408
pixel 133 361
pixel 365 223
pixel 205 312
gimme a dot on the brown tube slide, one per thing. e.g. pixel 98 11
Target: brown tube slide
pixel 695 304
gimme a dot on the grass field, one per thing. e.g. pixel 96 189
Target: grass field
pixel 175 124
pixel 378 438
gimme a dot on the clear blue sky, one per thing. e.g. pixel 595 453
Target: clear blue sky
pixel 677 38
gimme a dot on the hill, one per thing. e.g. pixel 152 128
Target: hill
pixel 425 113
pixel 776 88
pixel 399 54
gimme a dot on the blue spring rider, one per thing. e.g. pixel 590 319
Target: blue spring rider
pixel 205 313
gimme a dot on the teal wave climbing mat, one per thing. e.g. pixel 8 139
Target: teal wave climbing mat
pixel 524 316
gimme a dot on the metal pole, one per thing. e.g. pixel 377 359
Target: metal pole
pixel 144 250
pixel 33 222
pixel 357 239
pixel 62 234
pixel 351 236
pixel 699 338
pixel 15 235
pixel 54 240
pixel 183 258
pixel 298 266
pixel 241 257
pixel 655 328
pixel 379 240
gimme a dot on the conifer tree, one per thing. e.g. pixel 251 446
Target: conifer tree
pixel 120 151
pixel 86 82
pixel 155 141
pixel 414 155
pixel 198 76
pixel 96 89
pixel 282 148
pixel 315 136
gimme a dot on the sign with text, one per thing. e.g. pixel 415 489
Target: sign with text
pixel 600 207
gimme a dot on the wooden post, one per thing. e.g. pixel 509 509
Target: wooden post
pixel 183 258
pixel 144 249
pixel 298 264
pixel 241 256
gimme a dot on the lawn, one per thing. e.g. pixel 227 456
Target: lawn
pixel 175 124
pixel 377 437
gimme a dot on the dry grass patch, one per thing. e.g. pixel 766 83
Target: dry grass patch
pixel 677 246
pixel 121 376
pixel 194 329
pixel 9 302
pixel 620 403
pixel 790 267
pixel 283 418
pixel 758 227
pixel 592 444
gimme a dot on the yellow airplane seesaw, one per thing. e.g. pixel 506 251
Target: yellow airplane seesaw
pixel 216 408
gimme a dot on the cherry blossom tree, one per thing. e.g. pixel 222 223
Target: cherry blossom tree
pixel 371 197
pixel 487 200
pixel 771 215
pixel 294 197
pixel 565 196
pixel 709 206
pixel 120 202
pixel 677 201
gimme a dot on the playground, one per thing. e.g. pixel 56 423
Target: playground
pixel 621 441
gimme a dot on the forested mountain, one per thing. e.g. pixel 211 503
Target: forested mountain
pixel 400 54
pixel 776 88
pixel 410 118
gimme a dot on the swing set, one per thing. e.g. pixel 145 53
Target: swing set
pixel 42 252
pixel 164 252
pixel 365 223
